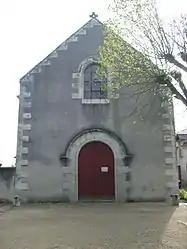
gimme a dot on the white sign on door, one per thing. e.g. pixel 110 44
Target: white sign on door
pixel 104 169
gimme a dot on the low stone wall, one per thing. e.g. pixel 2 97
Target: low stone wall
pixel 7 183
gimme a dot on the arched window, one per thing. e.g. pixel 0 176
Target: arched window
pixel 94 87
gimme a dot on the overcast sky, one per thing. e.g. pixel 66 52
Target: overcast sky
pixel 31 29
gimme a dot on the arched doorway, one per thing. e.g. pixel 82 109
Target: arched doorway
pixel 96 179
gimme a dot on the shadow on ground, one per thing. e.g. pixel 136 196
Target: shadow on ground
pixel 123 226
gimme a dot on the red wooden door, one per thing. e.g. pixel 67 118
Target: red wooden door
pixel 96 171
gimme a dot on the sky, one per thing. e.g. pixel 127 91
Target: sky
pixel 30 30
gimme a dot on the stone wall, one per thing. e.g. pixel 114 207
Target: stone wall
pixel 7 179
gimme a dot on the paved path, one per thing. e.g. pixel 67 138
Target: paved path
pixel 94 226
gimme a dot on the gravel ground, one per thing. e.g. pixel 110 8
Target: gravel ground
pixel 94 226
pixel 5 208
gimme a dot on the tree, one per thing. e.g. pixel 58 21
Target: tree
pixel 143 51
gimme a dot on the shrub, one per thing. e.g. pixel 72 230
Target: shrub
pixel 183 194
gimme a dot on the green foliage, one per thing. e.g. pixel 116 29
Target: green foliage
pixel 183 194
pixel 127 66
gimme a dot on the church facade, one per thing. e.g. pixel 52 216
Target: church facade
pixel 77 141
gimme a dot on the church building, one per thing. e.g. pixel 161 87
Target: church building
pixel 76 141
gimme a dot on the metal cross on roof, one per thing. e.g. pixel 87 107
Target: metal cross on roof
pixel 93 15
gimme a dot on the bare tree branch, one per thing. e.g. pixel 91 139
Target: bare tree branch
pixel 140 48
pixel 170 58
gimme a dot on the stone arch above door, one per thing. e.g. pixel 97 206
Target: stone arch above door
pixel 70 162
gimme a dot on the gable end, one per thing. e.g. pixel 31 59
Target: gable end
pixel 62 47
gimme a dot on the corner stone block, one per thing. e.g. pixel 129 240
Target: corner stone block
pixel 166 115
pixel 27 104
pixel 169 138
pixel 167 127
pixel 168 149
pixel 27 78
pixel 73 39
pixel 27 115
pixel 27 127
pixel 45 63
pixel 25 138
pixel 170 160
pixel 63 46
pixel 26 94
pixel 24 150
pixel 53 55
pixel 37 70
pixel 81 32
pixel 24 162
